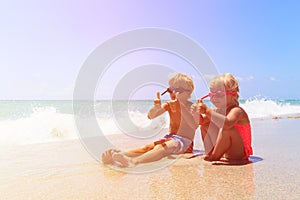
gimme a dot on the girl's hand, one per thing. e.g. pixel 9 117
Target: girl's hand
pixel 198 111
pixel 201 107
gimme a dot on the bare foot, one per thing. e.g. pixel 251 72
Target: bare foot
pixel 208 158
pixel 122 160
pixel 107 156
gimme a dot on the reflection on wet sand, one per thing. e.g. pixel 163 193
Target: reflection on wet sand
pixel 198 179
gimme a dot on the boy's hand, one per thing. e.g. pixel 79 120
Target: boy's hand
pixel 174 101
pixel 157 101
pixel 194 109
pixel 156 110
pixel 195 112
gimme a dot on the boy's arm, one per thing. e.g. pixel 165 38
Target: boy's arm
pixel 187 114
pixel 157 109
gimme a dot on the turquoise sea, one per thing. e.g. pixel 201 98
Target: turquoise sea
pixel 40 121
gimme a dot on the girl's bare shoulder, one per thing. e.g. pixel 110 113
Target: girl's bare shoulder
pixel 241 113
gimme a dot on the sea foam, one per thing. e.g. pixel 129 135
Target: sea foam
pixel 49 124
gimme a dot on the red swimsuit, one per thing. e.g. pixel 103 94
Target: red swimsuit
pixel 245 132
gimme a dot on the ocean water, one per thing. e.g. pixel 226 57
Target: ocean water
pixel 30 122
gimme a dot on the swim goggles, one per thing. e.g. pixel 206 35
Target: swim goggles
pixel 217 94
pixel 176 89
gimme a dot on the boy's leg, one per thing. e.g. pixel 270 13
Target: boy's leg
pixel 107 156
pixel 108 159
pixel 229 142
pixel 141 150
pixel 158 152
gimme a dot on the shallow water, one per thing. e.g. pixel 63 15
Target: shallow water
pixel 33 122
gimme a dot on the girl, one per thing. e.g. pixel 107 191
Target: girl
pixel 225 130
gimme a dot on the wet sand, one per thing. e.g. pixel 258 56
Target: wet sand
pixel 65 170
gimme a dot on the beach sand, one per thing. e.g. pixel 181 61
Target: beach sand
pixel 65 170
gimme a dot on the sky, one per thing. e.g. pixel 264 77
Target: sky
pixel 44 44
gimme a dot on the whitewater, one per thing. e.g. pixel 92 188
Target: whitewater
pixel 31 122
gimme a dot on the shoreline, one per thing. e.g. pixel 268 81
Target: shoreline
pixel 65 170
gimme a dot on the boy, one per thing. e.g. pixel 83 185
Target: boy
pixel 181 130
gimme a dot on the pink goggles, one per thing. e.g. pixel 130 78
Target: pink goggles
pixel 217 94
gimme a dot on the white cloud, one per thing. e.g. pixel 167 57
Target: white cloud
pixel 247 78
pixel 208 77
pixel 272 78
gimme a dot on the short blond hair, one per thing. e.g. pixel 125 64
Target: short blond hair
pixel 182 79
pixel 228 83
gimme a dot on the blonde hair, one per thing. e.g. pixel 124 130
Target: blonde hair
pixel 182 79
pixel 228 83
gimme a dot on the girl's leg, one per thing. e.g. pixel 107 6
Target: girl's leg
pixel 209 133
pixel 230 143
